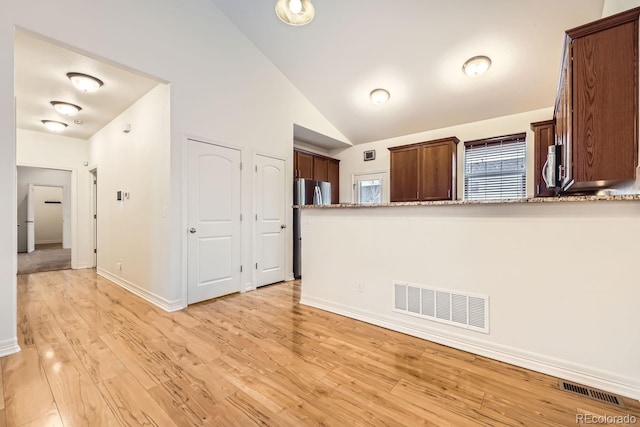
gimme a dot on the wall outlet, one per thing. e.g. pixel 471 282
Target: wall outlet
pixel 119 265
pixel 360 286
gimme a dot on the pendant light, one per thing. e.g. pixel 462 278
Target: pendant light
pixel 295 12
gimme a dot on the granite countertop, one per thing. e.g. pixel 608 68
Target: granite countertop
pixel 561 199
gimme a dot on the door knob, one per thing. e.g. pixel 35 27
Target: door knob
pixel 283 226
pixel 192 230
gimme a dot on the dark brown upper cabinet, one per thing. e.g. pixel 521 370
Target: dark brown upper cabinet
pixel 424 171
pixel 544 136
pixel 596 113
pixel 309 165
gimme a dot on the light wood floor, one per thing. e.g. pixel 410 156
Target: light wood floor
pixel 95 355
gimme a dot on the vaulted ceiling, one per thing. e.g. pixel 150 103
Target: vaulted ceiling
pixel 416 49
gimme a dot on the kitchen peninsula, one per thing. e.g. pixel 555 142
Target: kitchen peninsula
pixel 546 266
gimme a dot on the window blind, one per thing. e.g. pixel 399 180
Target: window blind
pixel 495 168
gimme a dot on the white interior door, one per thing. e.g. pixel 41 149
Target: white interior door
pixel 214 221
pixel 31 221
pixel 271 185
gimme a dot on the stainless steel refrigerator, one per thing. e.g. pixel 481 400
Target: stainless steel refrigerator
pixel 305 192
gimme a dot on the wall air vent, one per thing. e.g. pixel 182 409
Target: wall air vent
pixel 441 305
pixel 591 393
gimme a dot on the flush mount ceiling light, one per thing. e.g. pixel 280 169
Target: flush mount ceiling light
pixel 54 126
pixel 295 12
pixel 65 108
pixel 476 66
pixel 85 82
pixel 379 96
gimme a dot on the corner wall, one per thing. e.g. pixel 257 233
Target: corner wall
pixel 133 246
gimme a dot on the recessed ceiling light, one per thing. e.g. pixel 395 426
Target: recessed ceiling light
pixel 379 96
pixel 85 82
pixel 54 126
pixel 476 66
pixel 295 12
pixel 65 108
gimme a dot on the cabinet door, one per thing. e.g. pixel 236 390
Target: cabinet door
pixel 333 172
pixel 435 172
pixel 304 162
pixel 605 105
pixel 320 172
pixel 544 133
pixel 404 175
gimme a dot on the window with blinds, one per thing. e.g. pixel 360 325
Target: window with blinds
pixel 495 168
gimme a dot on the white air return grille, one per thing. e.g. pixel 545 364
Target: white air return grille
pixel 442 305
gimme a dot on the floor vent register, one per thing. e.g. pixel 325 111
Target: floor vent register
pixel 592 393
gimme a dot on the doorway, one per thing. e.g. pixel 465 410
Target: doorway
pixel 47 238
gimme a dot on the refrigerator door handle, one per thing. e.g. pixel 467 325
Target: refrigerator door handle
pixel 317 196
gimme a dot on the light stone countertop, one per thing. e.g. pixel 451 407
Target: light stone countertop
pixel 561 199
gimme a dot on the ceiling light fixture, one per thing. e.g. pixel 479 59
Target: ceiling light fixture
pixel 379 96
pixel 85 82
pixel 54 126
pixel 295 12
pixel 476 66
pixel 65 108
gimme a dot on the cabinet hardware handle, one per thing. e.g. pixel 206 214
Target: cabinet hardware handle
pixel 449 193
pixel 538 189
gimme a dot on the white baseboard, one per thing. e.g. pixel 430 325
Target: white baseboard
pixel 154 299
pixel 81 266
pixel 563 369
pixel 8 347
pixel 46 242
pixel 289 277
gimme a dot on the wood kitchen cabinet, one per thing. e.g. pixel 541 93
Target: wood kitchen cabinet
pixel 333 176
pixel 424 171
pixel 320 168
pixel 302 165
pixel 596 113
pixel 544 136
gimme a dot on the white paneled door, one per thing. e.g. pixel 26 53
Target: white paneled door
pixel 214 257
pixel 271 223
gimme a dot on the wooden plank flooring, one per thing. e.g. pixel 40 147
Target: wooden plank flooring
pixel 96 355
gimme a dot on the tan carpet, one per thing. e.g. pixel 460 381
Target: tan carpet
pixel 45 258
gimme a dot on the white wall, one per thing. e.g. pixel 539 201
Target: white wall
pixel 49 151
pixel 28 175
pixel 560 277
pixel 351 159
pixel 611 7
pixel 48 216
pixel 8 211
pixel 222 88
pixel 134 232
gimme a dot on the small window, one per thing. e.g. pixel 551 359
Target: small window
pixel 369 188
pixel 495 168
